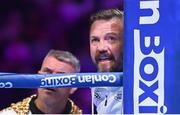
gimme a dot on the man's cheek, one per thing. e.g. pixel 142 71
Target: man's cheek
pixel 63 90
pixel 93 57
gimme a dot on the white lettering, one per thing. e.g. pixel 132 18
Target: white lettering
pixel 153 5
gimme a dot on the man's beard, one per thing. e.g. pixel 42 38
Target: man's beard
pixel 114 67
pixel 111 66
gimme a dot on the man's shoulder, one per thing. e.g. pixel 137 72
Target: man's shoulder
pixel 108 100
pixel 21 107
pixel 74 108
pixel 8 111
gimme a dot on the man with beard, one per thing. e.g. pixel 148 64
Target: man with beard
pixel 50 100
pixel 106 48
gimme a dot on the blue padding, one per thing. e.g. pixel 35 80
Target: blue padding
pixel 13 80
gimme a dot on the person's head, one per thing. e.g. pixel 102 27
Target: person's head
pixel 106 40
pixel 58 62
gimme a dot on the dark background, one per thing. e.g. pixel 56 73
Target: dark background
pixel 30 28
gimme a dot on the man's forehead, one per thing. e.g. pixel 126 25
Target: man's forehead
pixel 111 24
pixel 112 20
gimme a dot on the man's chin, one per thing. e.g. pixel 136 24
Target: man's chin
pixel 104 68
pixel 47 92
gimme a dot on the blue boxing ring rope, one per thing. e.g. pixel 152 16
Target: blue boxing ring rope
pixel 14 80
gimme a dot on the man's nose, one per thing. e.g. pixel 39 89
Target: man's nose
pixel 102 46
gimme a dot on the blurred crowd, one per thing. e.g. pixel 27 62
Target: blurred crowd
pixel 29 28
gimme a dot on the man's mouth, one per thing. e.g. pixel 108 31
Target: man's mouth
pixel 103 60
pixel 104 57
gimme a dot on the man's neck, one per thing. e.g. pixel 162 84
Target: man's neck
pixel 51 107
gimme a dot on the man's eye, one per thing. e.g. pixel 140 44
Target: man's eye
pixel 46 71
pixel 94 40
pixel 111 38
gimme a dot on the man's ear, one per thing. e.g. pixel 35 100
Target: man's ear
pixel 72 90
